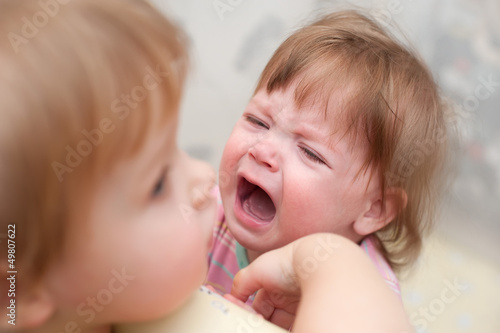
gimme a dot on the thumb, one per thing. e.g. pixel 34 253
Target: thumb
pixel 245 283
pixel 271 270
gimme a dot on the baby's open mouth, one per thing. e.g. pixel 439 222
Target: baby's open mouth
pixel 255 201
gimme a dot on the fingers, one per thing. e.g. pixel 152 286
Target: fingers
pixel 269 271
pixel 245 283
pixel 238 302
pixel 263 304
pixel 277 307
pixel 282 318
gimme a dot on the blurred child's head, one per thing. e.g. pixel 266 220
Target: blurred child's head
pixel 345 133
pixel 105 206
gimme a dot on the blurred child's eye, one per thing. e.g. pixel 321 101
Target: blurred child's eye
pixel 312 156
pixel 256 121
pixel 159 186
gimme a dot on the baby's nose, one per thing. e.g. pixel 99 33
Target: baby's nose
pixel 265 154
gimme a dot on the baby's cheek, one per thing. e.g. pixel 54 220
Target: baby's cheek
pixel 306 216
pixel 228 161
pixel 296 222
pixel 240 142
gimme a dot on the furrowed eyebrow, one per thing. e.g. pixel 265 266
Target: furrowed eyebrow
pixel 307 133
pixel 310 134
pixel 259 105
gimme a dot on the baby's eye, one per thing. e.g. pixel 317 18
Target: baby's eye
pixel 159 185
pixel 312 156
pixel 256 121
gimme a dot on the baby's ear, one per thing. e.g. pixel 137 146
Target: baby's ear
pixel 28 310
pixel 379 214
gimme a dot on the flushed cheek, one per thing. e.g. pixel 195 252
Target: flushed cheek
pixel 297 216
pixel 227 172
pixel 239 144
pixel 227 179
pixel 298 222
pixel 165 286
pixel 156 293
pixel 304 211
pixel 228 162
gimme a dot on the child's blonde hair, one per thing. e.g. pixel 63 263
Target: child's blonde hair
pixel 390 101
pixel 81 86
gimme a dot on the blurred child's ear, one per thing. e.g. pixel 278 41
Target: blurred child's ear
pixel 379 214
pixel 32 310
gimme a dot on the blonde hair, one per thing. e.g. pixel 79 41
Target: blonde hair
pixel 389 100
pixel 82 83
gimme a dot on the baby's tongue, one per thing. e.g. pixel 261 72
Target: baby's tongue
pixel 260 205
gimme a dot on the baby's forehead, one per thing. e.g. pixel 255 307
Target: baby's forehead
pixel 323 116
pixel 326 97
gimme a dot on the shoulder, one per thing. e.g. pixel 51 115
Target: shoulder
pixel 369 246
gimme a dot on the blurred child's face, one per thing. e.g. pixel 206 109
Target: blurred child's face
pixel 285 173
pixel 143 249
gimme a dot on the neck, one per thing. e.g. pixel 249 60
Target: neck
pixel 252 255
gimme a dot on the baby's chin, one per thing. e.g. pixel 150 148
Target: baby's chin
pixel 179 294
pixel 254 242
